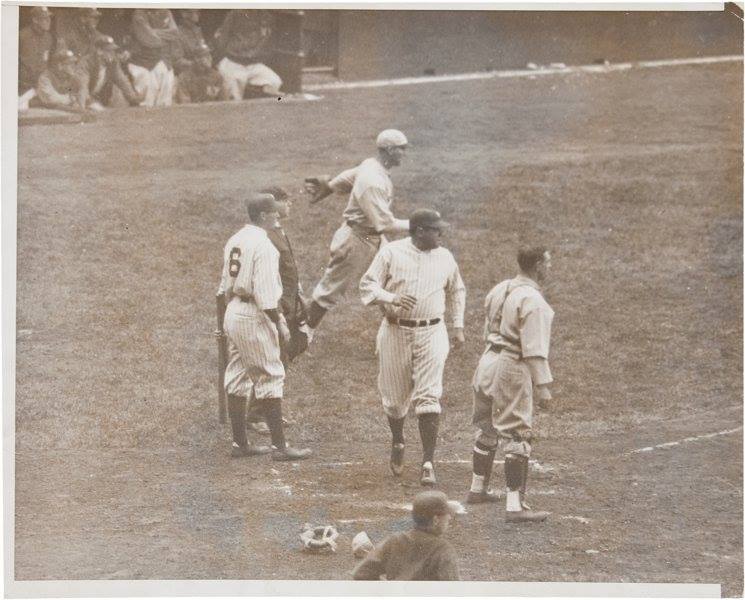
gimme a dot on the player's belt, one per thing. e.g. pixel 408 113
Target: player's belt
pixel 497 348
pixel 413 322
pixel 362 230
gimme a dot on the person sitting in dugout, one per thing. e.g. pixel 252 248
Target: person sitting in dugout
pixel 199 82
pixel 34 47
pixel 420 554
pixel 190 40
pixel 242 45
pixel 60 87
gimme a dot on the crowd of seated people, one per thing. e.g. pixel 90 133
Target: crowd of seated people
pixel 66 62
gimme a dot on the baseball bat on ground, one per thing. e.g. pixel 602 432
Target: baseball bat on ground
pixel 222 358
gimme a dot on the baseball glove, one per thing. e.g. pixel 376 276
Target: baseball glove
pixel 318 188
pixel 320 538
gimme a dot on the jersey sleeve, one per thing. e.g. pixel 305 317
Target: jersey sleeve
pixel 456 296
pixel 266 286
pixel 535 328
pixel 344 181
pixel 373 281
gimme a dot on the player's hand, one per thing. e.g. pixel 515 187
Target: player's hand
pixel 284 332
pixel 543 395
pixel 459 338
pixel 318 188
pixel 406 301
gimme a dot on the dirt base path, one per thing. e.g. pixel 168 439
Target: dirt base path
pixel 619 513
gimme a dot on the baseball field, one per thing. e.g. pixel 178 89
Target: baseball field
pixel 632 178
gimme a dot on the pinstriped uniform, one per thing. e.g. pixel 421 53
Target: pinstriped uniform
pixel 412 359
pixel 251 276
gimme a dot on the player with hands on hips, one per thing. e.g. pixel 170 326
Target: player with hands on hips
pixel 413 280
pixel 255 328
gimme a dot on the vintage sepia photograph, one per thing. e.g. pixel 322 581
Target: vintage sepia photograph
pixel 322 296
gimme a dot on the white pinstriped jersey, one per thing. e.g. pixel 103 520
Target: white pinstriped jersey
pixel 431 276
pixel 251 268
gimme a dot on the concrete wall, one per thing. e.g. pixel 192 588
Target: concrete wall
pixel 382 44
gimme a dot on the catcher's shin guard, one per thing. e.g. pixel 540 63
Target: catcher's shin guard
pixel 514 471
pixel 237 413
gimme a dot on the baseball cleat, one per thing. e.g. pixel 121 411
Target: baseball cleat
pixel 485 497
pixel 258 427
pixel 248 450
pixel 397 459
pixel 289 453
pixel 526 516
pixel 428 475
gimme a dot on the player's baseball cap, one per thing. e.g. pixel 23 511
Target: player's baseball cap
pixel 106 42
pixel 424 217
pixel 257 203
pixel 391 137
pixel 61 57
pixel 431 503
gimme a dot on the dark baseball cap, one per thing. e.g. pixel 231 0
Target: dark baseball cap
pixel 431 503
pixel 425 217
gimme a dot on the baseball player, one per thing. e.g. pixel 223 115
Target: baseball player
pixel 420 554
pixel 512 369
pixel 411 279
pixel 254 327
pixel 367 216
pixel 291 304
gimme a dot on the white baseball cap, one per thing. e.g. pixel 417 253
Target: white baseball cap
pixel 391 137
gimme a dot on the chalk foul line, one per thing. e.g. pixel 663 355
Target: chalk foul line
pixel 539 71
pixel 685 440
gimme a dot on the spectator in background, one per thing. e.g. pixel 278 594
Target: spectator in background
pixel 110 75
pixel 59 86
pixel 242 42
pixel 155 35
pixel 34 47
pixel 200 82
pixel 191 40
pixel 76 30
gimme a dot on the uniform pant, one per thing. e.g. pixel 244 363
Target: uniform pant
pixel 412 362
pixel 157 84
pixel 253 352
pixel 351 255
pixel 235 77
pixel 503 402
